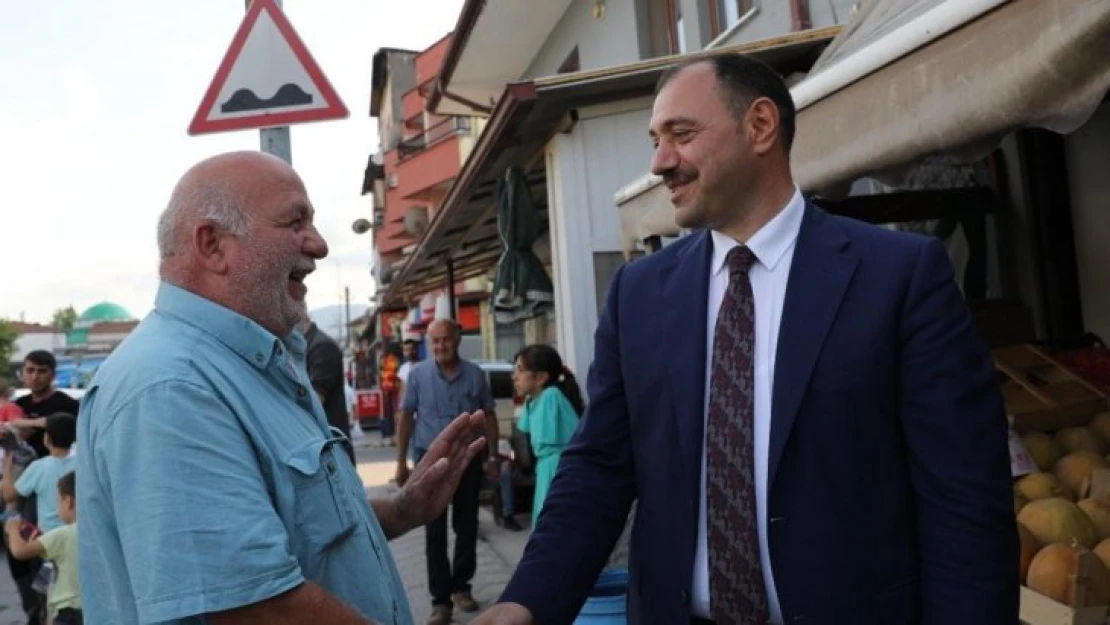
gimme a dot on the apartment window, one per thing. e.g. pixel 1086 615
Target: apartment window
pixel 680 33
pixel 724 14
pixel 663 27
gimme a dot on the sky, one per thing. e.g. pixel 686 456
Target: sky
pixel 94 107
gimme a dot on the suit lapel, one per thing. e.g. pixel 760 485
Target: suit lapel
pixel 819 276
pixel 685 283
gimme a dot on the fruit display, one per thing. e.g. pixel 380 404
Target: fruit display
pixel 1044 449
pixel 1058 520
pixel 1063 515
pixel 1040 486
pixel 1059 445
pixel 1054 572
pixel 1075 469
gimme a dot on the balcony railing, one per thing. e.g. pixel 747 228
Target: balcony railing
pixel 447 128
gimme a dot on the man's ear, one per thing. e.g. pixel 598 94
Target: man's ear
pixel 209 246
pixel 763 126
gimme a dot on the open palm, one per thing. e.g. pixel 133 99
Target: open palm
pixel 433 481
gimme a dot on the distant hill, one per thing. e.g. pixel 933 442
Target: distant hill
pixel 330 318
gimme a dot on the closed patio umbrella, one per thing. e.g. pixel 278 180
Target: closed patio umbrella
pixel 522 288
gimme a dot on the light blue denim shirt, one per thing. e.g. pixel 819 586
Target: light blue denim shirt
pixel 208 478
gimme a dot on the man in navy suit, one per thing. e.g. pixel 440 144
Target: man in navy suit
pixel 818 438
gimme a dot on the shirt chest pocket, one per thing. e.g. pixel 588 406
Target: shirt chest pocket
pixel 325 515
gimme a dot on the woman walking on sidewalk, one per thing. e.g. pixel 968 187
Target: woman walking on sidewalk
pixel 550 413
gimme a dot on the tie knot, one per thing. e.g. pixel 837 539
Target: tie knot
pixel 739 260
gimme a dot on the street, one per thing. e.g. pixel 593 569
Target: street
pixel 498 549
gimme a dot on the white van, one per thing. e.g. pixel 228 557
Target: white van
pixel 499 375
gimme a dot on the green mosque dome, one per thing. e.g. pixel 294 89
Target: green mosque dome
pixel 104 311
pixel 98 313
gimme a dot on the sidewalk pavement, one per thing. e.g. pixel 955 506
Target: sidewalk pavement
pixel 498 552
pixel 11 611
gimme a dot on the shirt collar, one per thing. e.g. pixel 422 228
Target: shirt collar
pixel 770 242
pixel 243 336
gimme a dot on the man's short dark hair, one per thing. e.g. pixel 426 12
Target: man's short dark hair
pixel 411 342
pixel 42 358
pixel 61 427
pixel 742 80
pixel 67 484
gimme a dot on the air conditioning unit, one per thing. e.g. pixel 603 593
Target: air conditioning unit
pixel 391 180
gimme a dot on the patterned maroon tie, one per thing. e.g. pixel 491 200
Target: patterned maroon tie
pixel 737 595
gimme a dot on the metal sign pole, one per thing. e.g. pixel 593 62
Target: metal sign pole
pixel 276 140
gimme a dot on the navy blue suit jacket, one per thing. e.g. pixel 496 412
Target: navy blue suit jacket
pixel 890 497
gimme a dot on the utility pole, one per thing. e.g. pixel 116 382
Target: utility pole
pixel 277 140
pixel 347 316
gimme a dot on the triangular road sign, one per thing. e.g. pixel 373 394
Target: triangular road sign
pixel 267 78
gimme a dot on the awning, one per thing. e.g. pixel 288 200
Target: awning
pixel 495 40
pixel 528 114
pixel 913 78
pixel 1026 63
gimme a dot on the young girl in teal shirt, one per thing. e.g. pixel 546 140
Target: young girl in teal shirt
pixel 550 413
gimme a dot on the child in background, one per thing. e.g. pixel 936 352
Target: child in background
pixel 550 413
pixel 59 546
pixel 9 410
pixel 40 478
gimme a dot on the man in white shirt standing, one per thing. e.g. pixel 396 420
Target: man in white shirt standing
pixel 409 356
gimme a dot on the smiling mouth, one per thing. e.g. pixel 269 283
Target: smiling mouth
pixel 299 274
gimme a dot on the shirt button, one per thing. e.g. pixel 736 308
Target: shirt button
pixel 331 468
pixel 258 357
pixel 300 391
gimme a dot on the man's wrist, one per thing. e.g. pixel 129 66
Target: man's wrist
pixel 402 509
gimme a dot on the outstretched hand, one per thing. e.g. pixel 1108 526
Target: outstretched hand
pixel 432 483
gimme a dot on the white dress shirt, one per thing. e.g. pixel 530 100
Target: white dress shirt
pixel 773 246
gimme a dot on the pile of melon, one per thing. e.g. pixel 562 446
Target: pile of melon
pixel 1063 512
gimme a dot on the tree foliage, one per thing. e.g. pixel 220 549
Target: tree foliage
pixel 65 318
pixel 8 335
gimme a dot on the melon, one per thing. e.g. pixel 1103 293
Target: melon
pixel 1019 502
pixel 1043 449
pixel 1057 520
pixel 1054 570
pixel 1029 548
pixel 1074 469
pixel 1099 514
pixel 1080 439
pixel 1100 425
pixel 1040 486
pixel 1102 550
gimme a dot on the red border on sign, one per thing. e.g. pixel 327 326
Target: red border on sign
pixel 334 108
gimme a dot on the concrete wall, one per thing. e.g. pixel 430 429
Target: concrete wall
pixel 611 40
pixel 584 169
pixel 1088 151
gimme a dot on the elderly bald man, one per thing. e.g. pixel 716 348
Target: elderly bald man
pixel 210 487
pixel 435 390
